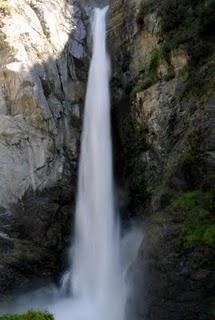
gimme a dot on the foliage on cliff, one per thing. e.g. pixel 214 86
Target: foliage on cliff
pixel 191 24
pixel 195 208
pixel 188 24
pixel 29 315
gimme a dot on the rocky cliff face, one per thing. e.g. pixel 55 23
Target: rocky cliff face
pixel 163 96
pixel 42 83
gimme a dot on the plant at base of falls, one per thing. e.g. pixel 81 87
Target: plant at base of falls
pixel 29 315
pixel 195 210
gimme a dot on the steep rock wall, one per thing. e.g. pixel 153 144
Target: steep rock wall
pixel 42 83
pixel 163 112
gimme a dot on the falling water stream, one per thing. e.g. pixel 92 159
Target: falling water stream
pixel 97 275
pixel 97 280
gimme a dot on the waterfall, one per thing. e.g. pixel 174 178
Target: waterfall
pixel 96 275
pixel 96 278
pixel 100 258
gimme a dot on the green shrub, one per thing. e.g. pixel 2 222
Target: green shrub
pixel 187 23
pixel 29 315
pixel 146 7
pixel 191 23
pixel 195 209
pixel 173 12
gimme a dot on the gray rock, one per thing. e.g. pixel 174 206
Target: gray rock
pixel 41 96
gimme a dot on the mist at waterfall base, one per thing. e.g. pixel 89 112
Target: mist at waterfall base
pixel 100 258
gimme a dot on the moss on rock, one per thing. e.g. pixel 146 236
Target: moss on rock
pixel 158 55
pixel 195 209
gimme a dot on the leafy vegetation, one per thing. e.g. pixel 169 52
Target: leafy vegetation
pixel 191 24
pixel 146 7
pixel 29 315
pixel 159 54
pixel 195 209
pixel 178 14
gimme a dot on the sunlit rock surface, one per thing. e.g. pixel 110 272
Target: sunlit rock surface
pixel 42 82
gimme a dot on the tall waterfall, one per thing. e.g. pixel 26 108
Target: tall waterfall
pixel 97 277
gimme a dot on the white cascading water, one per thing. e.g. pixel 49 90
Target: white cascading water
pixel 97 277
